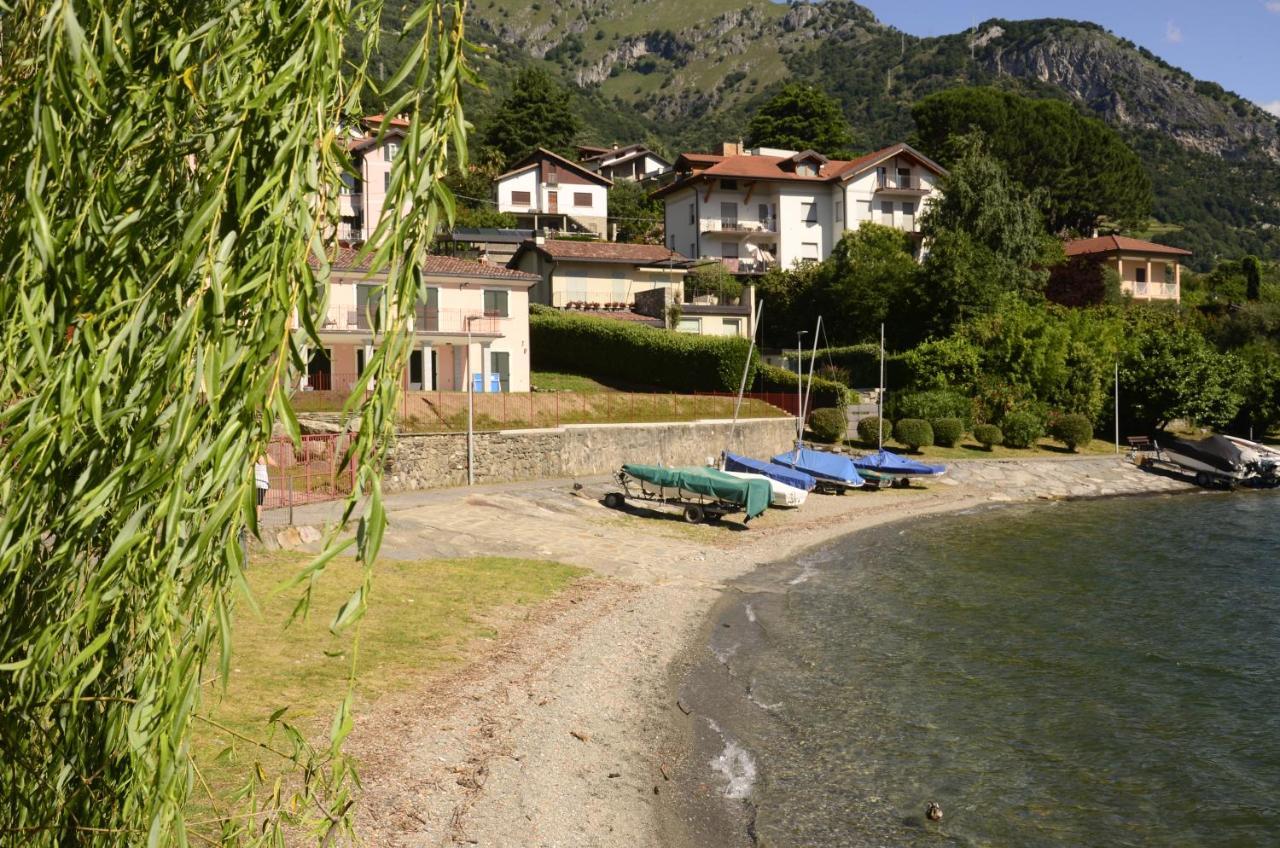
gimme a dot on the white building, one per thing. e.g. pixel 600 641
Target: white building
pixel 549 192
pixel 762 208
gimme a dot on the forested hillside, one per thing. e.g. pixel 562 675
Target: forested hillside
pixel 683 76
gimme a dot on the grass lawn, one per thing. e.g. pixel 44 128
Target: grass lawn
pixel 969 449
pixel 423 617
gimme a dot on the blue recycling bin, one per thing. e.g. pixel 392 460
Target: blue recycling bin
pixel 495 383
pixel 477 383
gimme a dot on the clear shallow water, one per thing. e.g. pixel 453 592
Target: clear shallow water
pixel 1090 673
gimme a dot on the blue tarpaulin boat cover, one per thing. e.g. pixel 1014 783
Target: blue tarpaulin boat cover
pixel 821 464
pixel 889 462
pixel 790 476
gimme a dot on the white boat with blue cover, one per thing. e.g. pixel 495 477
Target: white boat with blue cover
pixel 884 467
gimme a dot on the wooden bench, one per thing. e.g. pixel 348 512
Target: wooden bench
pixel 1140 445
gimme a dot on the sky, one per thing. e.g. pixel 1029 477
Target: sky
pixel 1235 43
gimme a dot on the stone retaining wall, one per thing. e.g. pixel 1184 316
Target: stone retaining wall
pixel 437 460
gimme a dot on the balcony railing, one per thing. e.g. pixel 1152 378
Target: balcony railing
pixel 350 231
pixel 1156 290
pixel 344 319
pixel 748 266
pixel 739 227
pixel 887 182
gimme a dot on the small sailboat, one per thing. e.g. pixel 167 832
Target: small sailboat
pixel 884 467
pixel 833 472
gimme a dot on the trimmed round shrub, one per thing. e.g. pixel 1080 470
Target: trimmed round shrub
pixel 947 431
pixel 1072 430
pixel 871 428
pixel 1021 429
pixel 988 435
pixel 828 425
pixel 915 433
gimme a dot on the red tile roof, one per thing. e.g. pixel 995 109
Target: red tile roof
pixel 606 251
pixel 1119 244
pixel 348 259
pixel 746 166
pixel 543 153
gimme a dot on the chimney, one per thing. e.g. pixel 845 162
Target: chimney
pixel 539 236
pixel 728 148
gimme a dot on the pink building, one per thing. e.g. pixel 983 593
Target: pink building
pixel 1148 271
pixel 472 327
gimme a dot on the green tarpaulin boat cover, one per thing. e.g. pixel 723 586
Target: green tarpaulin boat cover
pixel 752 495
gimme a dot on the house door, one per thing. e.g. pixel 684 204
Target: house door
pixel 553 200
pixel 415 369
pixel 320 370
pixel 435 369
pixel 360 363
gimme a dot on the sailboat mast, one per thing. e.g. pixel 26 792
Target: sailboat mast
pixel 746 368
pixel 880 396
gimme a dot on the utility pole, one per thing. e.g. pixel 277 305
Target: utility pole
pixel 471 447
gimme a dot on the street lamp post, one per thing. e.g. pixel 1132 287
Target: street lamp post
pixel 800 334
pixel 471 448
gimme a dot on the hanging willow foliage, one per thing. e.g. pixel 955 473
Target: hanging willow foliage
pixel 170 172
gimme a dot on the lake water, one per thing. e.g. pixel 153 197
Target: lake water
pixel 1086 673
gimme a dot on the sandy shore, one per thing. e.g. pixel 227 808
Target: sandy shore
pixel 565 732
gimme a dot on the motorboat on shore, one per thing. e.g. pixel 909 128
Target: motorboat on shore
pixel 886 468
pixel 790 487
pixel 783 495
pixel 1215 461
pixel 833 472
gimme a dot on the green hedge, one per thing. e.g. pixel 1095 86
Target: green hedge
pixel 635 353
pixel 872 429
pixel 1021 428
pixel 863 364
pixel 1072 430
pixel 930 405
pixel 825 393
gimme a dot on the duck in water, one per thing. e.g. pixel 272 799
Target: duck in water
pixel 933 812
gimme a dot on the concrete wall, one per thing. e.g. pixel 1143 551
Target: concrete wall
pixel 435 460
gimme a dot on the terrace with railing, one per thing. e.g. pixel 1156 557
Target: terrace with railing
pixel 343 319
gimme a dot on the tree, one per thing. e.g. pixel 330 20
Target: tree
pixel 637 215
pixel 986 238
pixel 1252 269
pixel 536 113
pixel 168 184
pixel 800 117
pixel 868 277
pixel 1169 371
pixel 1081 168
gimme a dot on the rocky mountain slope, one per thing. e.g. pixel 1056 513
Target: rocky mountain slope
pixel 685 75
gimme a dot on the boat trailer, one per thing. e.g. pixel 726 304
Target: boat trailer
pixel 694 507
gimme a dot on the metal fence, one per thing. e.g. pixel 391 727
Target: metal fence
pixel 309 472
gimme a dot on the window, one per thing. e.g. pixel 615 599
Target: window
pixel 864 210
pixel 806 169
pixel 386 182
pixel 553 176
pixel 732 327
pixel 729 185
pixel 495 303
pixel 728 216
pixel 886 212
pixel 521 198
pixel 430 312
pixel 904 178
pixel 839 210
pixel 693 215
pixel 809 213
pixel 1139 274
pixel 500 367
pixel 809 250
pixel 762 213
pixel 730 250
pixel 390 149
pixel 882 176
pixel 690 325
pixel 582 199
pixel 349 183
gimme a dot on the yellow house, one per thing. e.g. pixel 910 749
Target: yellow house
pixel 1148 271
